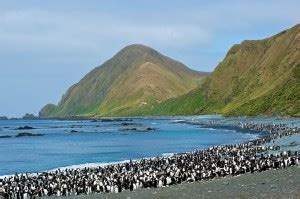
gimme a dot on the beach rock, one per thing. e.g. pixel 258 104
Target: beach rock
pixel 5 136
pixel 273 187
pixel 29 134
pixel 25 128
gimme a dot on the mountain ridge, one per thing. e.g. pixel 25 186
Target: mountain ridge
pixel 99 92
pixel 256 77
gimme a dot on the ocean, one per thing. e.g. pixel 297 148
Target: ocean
pixel 80 143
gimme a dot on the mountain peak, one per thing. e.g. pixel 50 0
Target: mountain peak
pixel 137 47
pixel 136 75
pixel 139 50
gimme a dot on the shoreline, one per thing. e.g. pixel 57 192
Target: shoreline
pixel 113 163
pixel 166 177
pixel 89 165
pixel 254 136
pixel 149 116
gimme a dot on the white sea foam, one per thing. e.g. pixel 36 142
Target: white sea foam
pixel 5 176
pixel 210 129
pixel 77 166
pixel 91 165
pixel 103 164
pixel 227 130
pixel 167 154
pixel 179 120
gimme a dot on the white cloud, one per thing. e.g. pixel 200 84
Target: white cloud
pixel 36 30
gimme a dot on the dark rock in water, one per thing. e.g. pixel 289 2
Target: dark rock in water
pixel 25 128
pixel 5 136
pixel 115 120
pixel 151 129
pixel 29 134
pixel 139 129
pixel 3 118
pixel 129 129
pixel 129 124
pixel 94 120
pixel 73 131
pixel 76 126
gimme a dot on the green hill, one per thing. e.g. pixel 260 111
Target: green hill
pixel 258 77
pixel 136 77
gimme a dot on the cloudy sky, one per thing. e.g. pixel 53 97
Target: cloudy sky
pixel 46 46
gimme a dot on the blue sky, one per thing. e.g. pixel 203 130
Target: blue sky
pixel 46 46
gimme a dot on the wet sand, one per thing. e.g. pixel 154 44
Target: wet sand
pixel 283 183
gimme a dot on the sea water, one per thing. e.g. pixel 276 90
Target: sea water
pixel 90 143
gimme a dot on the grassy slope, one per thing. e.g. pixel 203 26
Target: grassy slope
pixel 189 104
pixel 148 83
pixel 135 75
pixel 259 77
pixel 271 87
pixel 256 78
pixel 283 100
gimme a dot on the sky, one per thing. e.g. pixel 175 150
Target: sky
pixel 46 46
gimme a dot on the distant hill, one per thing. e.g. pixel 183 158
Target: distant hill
pixel 257 77
pixel 29 116
pixel 3 118
pixel 135 77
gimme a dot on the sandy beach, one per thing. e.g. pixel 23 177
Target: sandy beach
pixel 283 183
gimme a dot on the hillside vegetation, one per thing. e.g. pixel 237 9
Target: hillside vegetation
pixel 258 77
pixel 137 76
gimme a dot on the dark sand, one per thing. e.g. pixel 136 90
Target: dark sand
pixel 281 184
